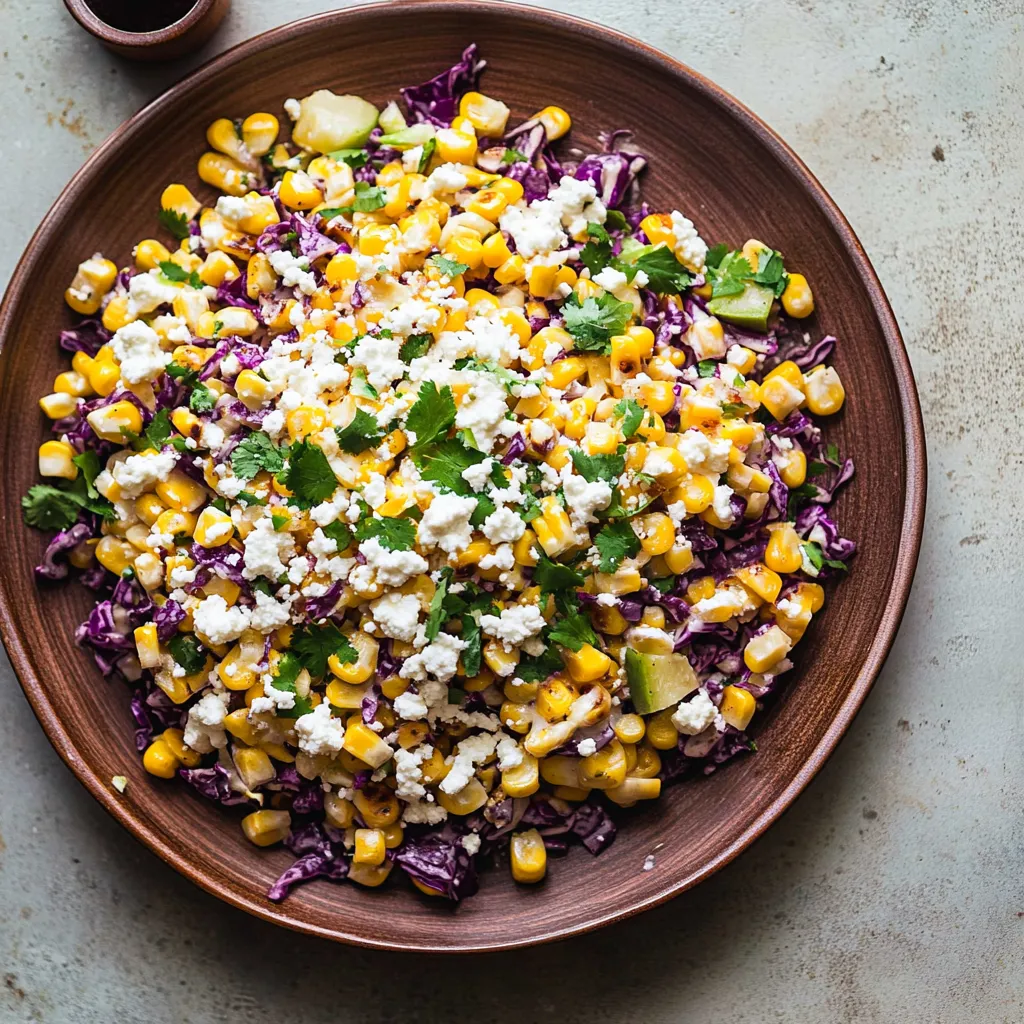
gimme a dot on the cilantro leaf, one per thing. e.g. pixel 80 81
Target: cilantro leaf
pixel 593 322
pixel 159 430
pixel 279 520
pixel 444 462
pixel 665 274
pixel 552 577
pixel 50 508
pixel 202 399
pixel 355 158
pixel 706 368
pixel 187 652
pixel 573 632
pixel 415 346
pixel 256 452
pixel 484 507
pixel 368 197
pixel 428 151
pixel 616 541
pixel 771 271
pixel 598 467
pixel 817 558
pixel 815 468
pixel 730 276
pixel 313 645
pixel 632 416
pixel 433 414
pixel 734 410
pixel 715 255
pixel 308 474
pixel 89 463
pixel 597 253
pixel 513 156
pixel 536 669
pixel 361 433
pixel 179 275
pixel 248 498
pixel 175 223
pixel 435 616
pixel 832 453
pixel 339 533
pixel 288 669
pixel 616 220
pixel 391 533
pixel 448 266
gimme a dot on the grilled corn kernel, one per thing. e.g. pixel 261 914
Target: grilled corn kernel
pixel 265 828
pixel 522 780
pixel 825 392
pixel 528 856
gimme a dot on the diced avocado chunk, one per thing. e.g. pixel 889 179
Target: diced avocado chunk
pixel 748 309
pixel 330 122
pixel 408 138
pixel 391 118
pixel 657 681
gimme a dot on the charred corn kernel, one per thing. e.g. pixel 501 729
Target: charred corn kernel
pixel 55 460
pixel 679 557
pixel 555 120
pixel 737 707
pixel 523 779
pixel 457 147
pixel 797 299
pixel 560 771
pixel 178 199
pixel 495 251
pixel 253 766
pixel 469 799
pixel 362 742
pixel 160 761
pixel 348 696
pixel 213 528
pixel 783 553
pixel 814 593
pixel 369 846
pixel 223 172
pixel 181 492
pixel 608 620
pixel 147 645
pixel 767 649
pixel 489 203
pixel 259 133
pixel 58 405
pixel 586 664
pixel 554 699
pixel 377 806
pixel 565 371
pixel 265 828
pixel 761 580
pixel 604 769
pixel 515 717
pixel 299 192
pixel 253 391
pixel 661 733
pixel 115 555
pixel 630 728
pixel 825 392
pixel 175 740
pixel 553 529
pixel 528 857
pixel 656 531
pixel 625 358
pixel 338 811
pixel 364 666
pixel 511 271
pixel 217 268
pixel 487 116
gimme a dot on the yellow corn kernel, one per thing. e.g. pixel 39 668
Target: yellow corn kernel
pixel 364 666
pixel 604 769
pixel 304 421
pixel 58 405
pixel 555 120
pixel 608 620
pixel 625 357
pixel 523 779
pixel 553 528
pixel 457 147
pixel 466 249
pixel 178 199
pixel 213 528
pixel 761 580
pixel 524 549
pixel 253 766
pixel 103 377
pixel 766 649
pixel 695 491
pixel 625 580
pixel 175 740
pixel 825 392
pixel 794 467
pixel 93 279
pixel 565 371
pixel 528 857
pixel 780 397
pixel 348 696
pixel 602 438
pixel 586 664
pixel 377 806
pixel 160 761
pixel 498 660
pixel 259 133
pixel 375 238
pixel 55 460
pixel 554 699
pixel 577 419
pixel 370 875
pixel 222 172
pixel 797 299
pixel 815 594
pixel 299 192
pixel 679 557
pixel 341 270
pixel 115 555
pixel 701 589
pixel 737 707
pixel 253 391
pixel 181 492
pixel 630 728
pixel 512 271
pixel 217 268
pixel 515 717
pixel 657 395
pixel 362 742
pixel 495 251
pixel 668 467
pixel 115 313
pixel 369 846
pixel 661 733
pixel 783 553
pixel 150 253
pixel 338 811
pixel 658 228
pixel 71 382
pixel 656 531
pixel 237 723
pixel 488 203
pixel 793 615
pixel 265 828
pixel 147 645
pixel 487 116
pixel 175 521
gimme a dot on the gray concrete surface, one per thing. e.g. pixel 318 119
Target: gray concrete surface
pixel 892 891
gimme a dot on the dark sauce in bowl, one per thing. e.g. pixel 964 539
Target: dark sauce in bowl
pixel 140 15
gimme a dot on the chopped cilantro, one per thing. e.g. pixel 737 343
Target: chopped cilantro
pixel 572 631
pixel 435 616
pixel 187 652
pixel 428 151
pixel 448 266
pixel 443 463
pixel 279 520
pixel 817 558
pixel 308 474
pixel 706 368
pixel 616 220
pixel 338 532
pixel 513 156
pixel 770 271
pixel 159 430
pixel 256 452
pixel 56 508
pixel 832 453
pixel 593 322
pixel 552 577
pixel 598 467
pixel 632 416
pixel 288 669
pixel 248 498
pixel 361 433
pixel 665 274
pixel 415 346
pixel 313 645
pixel 484 507
pixel 89 463
pixel 391 533
pixel 355 158
pixel 179 275
pixel 615 542
pixel 734 410
pixel 175 223
pixel 536 669
pixel 432 416
pixel 730 275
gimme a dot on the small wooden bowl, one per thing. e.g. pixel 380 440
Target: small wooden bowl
pixel 183 36
pixel 709 157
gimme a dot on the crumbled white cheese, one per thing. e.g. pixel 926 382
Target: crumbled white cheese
pixel 503 526
pixel 293 270
pixel 219 623
pixel 139 473
pixel 136 347
pixel 691 250
pixel 266 551
pixel 319 732
pixel 586 747
pixel 397 615
pixel 440 659
pixel 515 624
pixel 693 716
pixel 446 524
pixel 204 727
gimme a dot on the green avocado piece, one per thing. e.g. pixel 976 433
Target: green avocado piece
pixel 748 309
pixel 657 681
pixel 408 138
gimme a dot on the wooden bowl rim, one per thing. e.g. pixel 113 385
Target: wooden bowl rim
pixel 107 33
pixel 914 451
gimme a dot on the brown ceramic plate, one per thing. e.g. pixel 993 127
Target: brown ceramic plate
pixel 709 157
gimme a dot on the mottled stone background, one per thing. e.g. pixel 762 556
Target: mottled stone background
pixel 893 890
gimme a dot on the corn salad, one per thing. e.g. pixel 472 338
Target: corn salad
pixel 438 495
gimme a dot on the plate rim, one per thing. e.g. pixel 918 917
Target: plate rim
pixel 911 527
